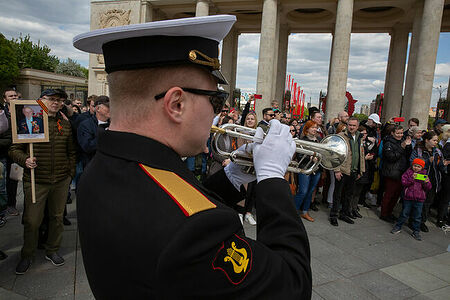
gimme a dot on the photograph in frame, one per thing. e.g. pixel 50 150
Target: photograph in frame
pixel 29 122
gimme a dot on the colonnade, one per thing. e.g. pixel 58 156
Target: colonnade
pixel 413 90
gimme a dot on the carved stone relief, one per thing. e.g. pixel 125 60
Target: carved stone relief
pixel 112 18
pixel 101 76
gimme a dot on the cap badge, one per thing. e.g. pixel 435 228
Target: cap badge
pixel 208 61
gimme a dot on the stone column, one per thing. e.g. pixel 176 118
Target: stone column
pixel 147 14
pixel 229 59
pixel 413 48
pixel 339 59
pixel 276 55
pixel 268 41
pixel 202 8
pixel 426 60
pixel 386 80
pixel 395 73
pixel 283 42
pixel 448 89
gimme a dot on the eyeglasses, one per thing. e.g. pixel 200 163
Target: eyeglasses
pixel 293 130
pixel 271 115
pixel 53 99
pixel 216 98
pixel 224 110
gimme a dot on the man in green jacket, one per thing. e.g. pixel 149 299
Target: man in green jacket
pixel 54 165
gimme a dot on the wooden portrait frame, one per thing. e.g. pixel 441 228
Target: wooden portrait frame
pixel 37 106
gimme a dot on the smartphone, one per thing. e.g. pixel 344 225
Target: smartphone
pixel 399 119
pixel 422 177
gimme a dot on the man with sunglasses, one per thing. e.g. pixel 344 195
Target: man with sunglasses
pixel 268 115
pixel 222 114
pixel 148 228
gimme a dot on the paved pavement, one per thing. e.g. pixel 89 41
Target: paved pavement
pixel 360 261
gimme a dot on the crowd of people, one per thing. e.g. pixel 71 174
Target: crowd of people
pixel 386 163
pixel 73 130
pixel 157 226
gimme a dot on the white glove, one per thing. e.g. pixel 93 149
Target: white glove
pixel 234 172
pixel 272 157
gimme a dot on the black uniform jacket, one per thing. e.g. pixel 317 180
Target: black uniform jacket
pixel 150 230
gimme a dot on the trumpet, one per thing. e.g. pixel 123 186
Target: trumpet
pixel 330 153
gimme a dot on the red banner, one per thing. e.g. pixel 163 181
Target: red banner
pixel 303 105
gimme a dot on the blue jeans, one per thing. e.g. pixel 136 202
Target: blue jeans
pixel 3 193
pixel 78 172
pixel 306 186
pixel 416 215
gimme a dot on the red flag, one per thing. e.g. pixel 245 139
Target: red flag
pixel 295 93
pixel 296 106
pixel 303 104
pixel 258 96
pixel 288 83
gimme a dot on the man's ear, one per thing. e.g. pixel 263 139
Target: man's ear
pixel 175 104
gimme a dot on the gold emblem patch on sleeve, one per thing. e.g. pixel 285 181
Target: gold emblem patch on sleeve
pixel 234 258
pixel 187 197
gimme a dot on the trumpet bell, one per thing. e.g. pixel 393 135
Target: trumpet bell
pixel 334 152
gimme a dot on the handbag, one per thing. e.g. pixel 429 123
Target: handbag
pixel 290 178
pixel 16 172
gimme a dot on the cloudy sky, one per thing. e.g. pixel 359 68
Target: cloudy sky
pixel 55 23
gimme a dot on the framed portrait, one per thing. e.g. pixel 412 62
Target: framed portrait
pixel 29 121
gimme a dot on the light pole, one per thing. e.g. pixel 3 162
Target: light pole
pixel 441 91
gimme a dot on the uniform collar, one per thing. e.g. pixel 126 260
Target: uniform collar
pixel 144 150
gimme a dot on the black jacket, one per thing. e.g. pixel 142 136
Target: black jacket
pixel 87 135
pixel 446 156
pixel 371 165
pixel 143 235
pixel 395 158
pixel 5 141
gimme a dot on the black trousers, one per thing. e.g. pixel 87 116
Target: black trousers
pixel 364 189
pixel 11 186
pixel 343 192
pixel 443 199
pixel 431 196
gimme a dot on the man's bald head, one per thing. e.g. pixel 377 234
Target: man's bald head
pixel 343 116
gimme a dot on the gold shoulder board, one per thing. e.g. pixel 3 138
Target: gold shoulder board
pixel 187 197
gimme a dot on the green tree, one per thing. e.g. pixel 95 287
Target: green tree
pixel 360 117
pixel 431 121
pixel 72 68
pixel 9 70
pixel 35 56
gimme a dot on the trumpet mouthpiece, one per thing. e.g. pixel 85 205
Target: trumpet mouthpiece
pixel 215 129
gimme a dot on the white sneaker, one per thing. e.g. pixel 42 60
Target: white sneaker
pixel 373 199
pixel 249 218
pixel 241 217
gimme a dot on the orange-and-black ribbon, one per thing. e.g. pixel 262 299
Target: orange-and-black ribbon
pixel 42 105
pixel 60 128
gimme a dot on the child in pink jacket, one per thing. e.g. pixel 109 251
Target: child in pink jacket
pixel 414 191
